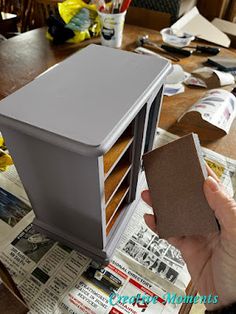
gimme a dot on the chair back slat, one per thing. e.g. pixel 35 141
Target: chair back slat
pixel 39 11
pixel 147 18
pixel 31 13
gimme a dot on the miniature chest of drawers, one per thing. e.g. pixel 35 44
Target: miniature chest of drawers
pixel 77 134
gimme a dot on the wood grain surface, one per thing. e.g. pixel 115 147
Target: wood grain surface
pixel 114 180
pixel 117 150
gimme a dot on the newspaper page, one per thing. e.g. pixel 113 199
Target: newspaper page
pixel 55 279
pixel 217 107
pixel 15 209
pixel 104 291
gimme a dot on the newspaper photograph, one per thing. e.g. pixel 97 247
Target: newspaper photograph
pixel 15 209
pixel 12 210
pixel 146 248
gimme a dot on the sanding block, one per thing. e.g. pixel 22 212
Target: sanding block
pixel 175 175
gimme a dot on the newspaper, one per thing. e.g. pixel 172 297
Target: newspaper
pixel 217 107
pixel 56 279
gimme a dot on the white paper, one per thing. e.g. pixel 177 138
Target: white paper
pixel 194 23
pixel 224 77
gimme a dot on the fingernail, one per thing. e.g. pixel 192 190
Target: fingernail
pixel 212 184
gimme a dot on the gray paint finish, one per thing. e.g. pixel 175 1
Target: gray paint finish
pixel 64 188
pixel 94 89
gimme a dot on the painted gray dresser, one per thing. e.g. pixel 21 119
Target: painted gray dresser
pixel 77 134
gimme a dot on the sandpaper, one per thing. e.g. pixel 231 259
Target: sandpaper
pixel 175 175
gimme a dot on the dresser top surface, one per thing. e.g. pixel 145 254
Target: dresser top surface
pixel 87 96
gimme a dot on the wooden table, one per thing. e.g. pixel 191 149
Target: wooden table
pixel 24 57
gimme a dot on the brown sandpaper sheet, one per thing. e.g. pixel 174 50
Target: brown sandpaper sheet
pixel 175 175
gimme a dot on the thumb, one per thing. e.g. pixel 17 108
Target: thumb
pixel 221 203
pixel 150 222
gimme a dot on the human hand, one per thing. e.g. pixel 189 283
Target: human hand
pixel 211 260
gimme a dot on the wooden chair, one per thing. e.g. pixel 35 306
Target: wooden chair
pixel 10 6
pixel 9 17
pixel 171 7
pixel 8 24
pixel 17 7
pixel 38 12
pixel 148 18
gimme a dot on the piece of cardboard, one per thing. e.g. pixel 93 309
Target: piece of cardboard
pixel 194 23
pixel 175 175
pixel 228 28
